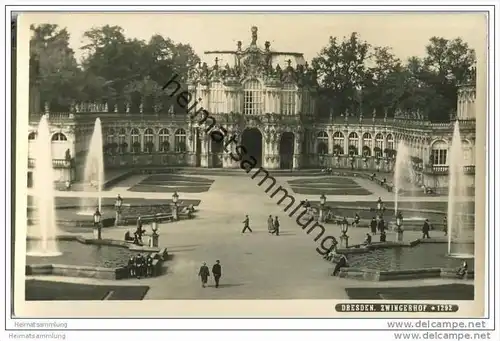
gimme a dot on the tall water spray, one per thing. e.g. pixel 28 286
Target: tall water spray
pixel 457 195
pixel 404 175
pixel 45 229
pixel 93 175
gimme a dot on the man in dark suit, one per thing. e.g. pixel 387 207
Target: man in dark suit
pixel 246 224
pixel 425 229
pixel 373 225
pixel 204 273
pixel 217 271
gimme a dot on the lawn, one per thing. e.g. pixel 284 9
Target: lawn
pixel 167 183
pixel 60 291
pixel 62 202
pixel 443 292
pixel 331 191
pixel 324 180
pixel 328 186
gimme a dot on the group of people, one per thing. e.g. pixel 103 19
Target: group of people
pixel 273 225
pixel 140 266
pixel 204 273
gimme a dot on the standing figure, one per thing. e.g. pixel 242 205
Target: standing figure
pixel 373 225
pixel 381 224
pixel 139 231
pixel 217 271
pixel 276 226
pixel 445 227
pixel 131 267
pixel 138 266
pixel 204 273
pixel 246 224
pixel 356 220
pixel 270 224
pixel 425 229
pixel 149 266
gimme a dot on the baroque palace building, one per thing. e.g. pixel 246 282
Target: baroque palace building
pixel 268 99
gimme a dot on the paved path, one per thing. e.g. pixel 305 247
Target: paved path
pixel 255 265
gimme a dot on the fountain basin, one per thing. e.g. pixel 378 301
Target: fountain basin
pixel 103 259
pixel 421 256
pixel 418 259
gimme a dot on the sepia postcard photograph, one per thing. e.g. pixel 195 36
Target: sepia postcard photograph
pixel 204 164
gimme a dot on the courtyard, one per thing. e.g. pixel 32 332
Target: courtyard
pixel 255 265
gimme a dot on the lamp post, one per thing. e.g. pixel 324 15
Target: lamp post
pixel 175 198
pixel 155 236
pixel 175 209
pixel 399 226
pixel 322 203
pixel 118 209
pixel 97 224
pixel 344 238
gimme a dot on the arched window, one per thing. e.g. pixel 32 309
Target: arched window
pixel 110 138
pixel 338 143
pixel 135 140
pixel 32 136
pixel 149 143
pixel 353 143
pixel 253 102
pixel 217 98
pixel 390 141
pixel 367 139
pixel 163 140
pixel 288 99
pixel 322 146
pixel 180 140
pixel 59 137
pixel 439 153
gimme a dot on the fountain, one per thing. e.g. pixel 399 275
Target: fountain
pixel 45 230
pixel 93 175
pixel 404 175
pixel 458 246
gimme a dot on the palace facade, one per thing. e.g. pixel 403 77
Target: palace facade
pixel 268 99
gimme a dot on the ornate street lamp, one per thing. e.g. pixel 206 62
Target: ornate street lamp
pixel 322 200
pixel 344 238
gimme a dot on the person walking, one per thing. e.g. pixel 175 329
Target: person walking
pixel 425 229
pixel 276 226
pixel 270 224
pixel 204 273
pixel 217 272
pixel 246 224
pixel 373 225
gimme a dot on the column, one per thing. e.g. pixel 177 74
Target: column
pixel 330 142
pixel 296 150
pixel 360 143
pixel 346 142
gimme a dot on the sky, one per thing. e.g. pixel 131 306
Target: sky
pixel 406 33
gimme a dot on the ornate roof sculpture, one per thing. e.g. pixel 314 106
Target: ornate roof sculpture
pixel 254 61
